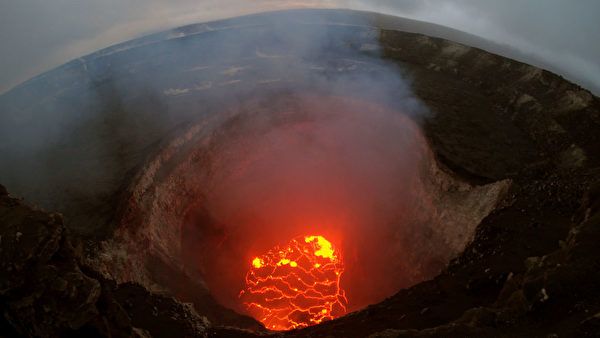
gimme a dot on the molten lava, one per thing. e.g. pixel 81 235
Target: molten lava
pixel 296 285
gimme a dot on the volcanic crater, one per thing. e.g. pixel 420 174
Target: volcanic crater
pixel 358 174
pixel 449 186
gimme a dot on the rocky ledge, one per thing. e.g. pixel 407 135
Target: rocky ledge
pixel 47 291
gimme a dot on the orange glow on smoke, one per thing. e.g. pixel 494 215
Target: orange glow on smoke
pixel 296 285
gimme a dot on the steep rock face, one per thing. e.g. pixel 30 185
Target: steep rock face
pixel 495 117
pixel 46 291
pixel 43 289
pixel 556 294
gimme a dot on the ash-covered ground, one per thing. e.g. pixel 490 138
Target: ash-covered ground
pixel 80 141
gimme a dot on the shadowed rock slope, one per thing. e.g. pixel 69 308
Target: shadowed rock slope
pixel 46 290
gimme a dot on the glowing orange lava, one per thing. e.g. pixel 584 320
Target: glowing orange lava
pixel 297 285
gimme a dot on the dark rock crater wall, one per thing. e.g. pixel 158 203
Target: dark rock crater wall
pixel 170 217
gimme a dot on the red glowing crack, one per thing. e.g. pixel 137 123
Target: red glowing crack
pixel 296 285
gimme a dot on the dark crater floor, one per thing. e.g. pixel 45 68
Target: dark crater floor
pixel 74 139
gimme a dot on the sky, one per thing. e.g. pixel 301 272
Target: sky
pixel 38 35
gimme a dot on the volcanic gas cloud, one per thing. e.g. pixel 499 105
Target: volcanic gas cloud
pixel 296 285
